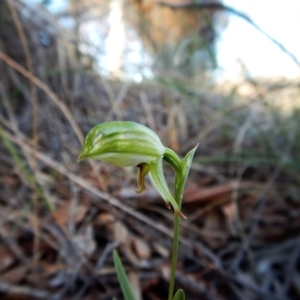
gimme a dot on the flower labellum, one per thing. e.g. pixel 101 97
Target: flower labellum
pixel 128 144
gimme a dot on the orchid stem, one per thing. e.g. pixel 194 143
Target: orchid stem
pixel 174 254
pixel 176 232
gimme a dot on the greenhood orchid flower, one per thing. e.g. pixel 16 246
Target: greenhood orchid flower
pixel 127 144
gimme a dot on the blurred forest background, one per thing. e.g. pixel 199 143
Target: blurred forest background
pixel 66 66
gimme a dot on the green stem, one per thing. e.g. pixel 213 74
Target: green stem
pixel 176 232
pixel 174 255
pixel 171 157
pixel 181 172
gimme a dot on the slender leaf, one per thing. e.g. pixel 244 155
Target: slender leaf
pixel 179 295
pixel 181 177
pixel 123 280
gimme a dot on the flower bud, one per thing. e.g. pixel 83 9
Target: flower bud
pixel 123 144
pixel 127 144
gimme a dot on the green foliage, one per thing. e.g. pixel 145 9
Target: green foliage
pixel 124 282
pixel 179 295
pixel 181 176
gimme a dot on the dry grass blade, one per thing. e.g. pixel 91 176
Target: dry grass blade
pixel 22 291
pixel 47 91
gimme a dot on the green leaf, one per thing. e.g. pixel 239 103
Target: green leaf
pixel 179 295
pixel 181 177
pixel 122 277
